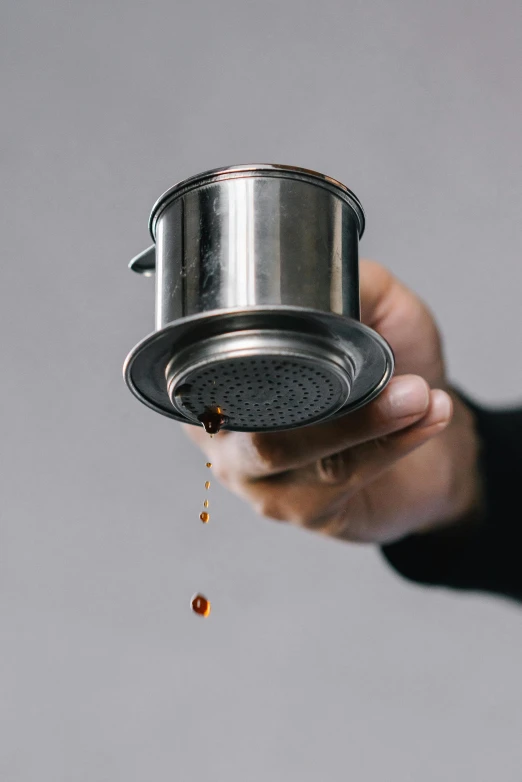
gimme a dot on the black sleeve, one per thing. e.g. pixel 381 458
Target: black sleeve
pixel 485 556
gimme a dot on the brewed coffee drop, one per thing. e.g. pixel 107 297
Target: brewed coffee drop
pixel 200 605
pixel 212 420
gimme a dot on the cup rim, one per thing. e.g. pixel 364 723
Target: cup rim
pixel 252 170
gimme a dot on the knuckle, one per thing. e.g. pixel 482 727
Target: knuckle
pixel 270 509
pixel 269 450
pixel 381 445
pixel 308 517
pixel 335 468
pixel 221 471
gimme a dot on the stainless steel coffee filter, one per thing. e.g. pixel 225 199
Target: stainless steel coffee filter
pixel 257 302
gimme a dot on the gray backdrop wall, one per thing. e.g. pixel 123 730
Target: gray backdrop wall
pixel 318 662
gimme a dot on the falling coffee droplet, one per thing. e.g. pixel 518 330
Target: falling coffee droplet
pixel 200 605
pixel 204 516
pixel 212 420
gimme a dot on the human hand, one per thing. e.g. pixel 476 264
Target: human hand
pixel 404 463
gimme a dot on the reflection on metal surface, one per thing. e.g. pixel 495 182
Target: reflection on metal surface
pixel 257 302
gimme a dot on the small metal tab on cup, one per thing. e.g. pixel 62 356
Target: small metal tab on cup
pixel 145 262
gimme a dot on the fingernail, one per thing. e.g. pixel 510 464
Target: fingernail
pixel 440 409
pixel 407 395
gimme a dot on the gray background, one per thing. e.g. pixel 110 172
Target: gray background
pixel 318 662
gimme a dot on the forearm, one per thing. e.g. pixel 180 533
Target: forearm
pixel 482 551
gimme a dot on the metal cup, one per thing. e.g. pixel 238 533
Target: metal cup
pixel 257 277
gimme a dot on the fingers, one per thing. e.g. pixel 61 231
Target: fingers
pixel 364 463
pixel 404 320
pixel 332 495
pixel 257 455
pixel 377 291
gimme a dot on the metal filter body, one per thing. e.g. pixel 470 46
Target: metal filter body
pixel 260 379
pixel 257 302
pixel 326 365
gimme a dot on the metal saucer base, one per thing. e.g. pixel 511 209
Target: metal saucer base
pixel 355 364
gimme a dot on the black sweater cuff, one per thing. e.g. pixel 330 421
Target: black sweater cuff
pixel 486 556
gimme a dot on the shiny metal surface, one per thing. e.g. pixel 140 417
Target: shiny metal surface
pixel 147 367
pixel 260 378
pixel 264 170
pixel 251 236
pixel 247 241
pixel 263 247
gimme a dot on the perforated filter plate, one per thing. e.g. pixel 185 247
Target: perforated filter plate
pixel 260 379
pixel 307 367
pixel 263 393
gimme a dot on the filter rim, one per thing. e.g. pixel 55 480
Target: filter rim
pixel 144 372
pixel 256 170
pixel 257 344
